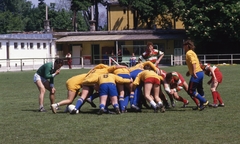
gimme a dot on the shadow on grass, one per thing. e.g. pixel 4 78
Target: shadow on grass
pixel 112 111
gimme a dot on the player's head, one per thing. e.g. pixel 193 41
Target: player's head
pixel 58 63
pixel 147 67
pixel 149 46
pixel 168 77
pixel 188 45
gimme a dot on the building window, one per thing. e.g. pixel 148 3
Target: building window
pixel 161 47
pixel 44 45
pixel 31 45
pixel 22 45
pixel 139 47
pixel 38 45
pixel 15 45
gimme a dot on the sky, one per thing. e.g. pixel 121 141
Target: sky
pixel 35 2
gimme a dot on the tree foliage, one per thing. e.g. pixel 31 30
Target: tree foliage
pixel 148 10
pixel 21 15
pixel 210 20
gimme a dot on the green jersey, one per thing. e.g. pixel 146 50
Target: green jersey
pixel 46 71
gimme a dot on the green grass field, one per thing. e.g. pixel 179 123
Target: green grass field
pixel 21 123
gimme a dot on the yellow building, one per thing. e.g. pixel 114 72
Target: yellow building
pixel 93 45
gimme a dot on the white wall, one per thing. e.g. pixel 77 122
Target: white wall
pixel 29 56
pixel 3 53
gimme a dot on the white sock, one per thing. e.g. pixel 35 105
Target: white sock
pixel 153 103
pixel 160 103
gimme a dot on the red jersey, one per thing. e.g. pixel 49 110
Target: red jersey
pixel 215 69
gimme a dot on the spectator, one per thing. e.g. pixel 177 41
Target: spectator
pixel 133 60
pixel 119 55
pixel 69 60
pixel 105 58
pixel 113 57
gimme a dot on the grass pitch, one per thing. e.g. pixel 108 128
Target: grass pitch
pixel 21 123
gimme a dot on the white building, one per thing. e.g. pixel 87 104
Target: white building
pixel 26 49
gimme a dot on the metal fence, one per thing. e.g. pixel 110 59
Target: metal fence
pixel 79 62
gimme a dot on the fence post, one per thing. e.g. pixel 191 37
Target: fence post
pixel 171 60
pixel 33 64
pixel 204 59
pixel 82 61
pixel 21 64
pixel 109 61
pixel 231 59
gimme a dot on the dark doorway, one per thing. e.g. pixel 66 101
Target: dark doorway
pixel 95 54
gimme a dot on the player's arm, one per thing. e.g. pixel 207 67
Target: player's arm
pixel 159 59
pixel 90 80
pixel 161 54
pixel 194 70
pixel 47 72
pixel 119 79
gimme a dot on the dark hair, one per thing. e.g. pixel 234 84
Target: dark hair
pixel 149 43
pixel 59 61
pixel 148 67
pixel 190 44
pixel 168 77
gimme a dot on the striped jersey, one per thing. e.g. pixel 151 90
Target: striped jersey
pixel 151 56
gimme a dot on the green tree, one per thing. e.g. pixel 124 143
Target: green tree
pixel 210 20
pixel 148 10
pixel 82 25
pixel 78 5
pixel 35 20
pixel 62 20
pixel 13 15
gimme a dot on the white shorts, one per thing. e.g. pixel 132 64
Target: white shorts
pixel 37 77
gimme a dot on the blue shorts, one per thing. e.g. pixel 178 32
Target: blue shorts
pixel 134 73
pixel 125 76
pixel 109 89
pixel 199 79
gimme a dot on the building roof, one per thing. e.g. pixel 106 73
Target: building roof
pixel 119 35
pixel 26 36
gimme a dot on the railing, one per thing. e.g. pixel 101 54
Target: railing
pixel 212 59
pixel 80 62
pixel 34 63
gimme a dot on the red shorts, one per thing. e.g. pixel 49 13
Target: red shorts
pixel 152 80
pixel 218 75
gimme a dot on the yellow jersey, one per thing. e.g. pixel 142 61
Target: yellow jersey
pixel 74 83
pixel 191 58
pixel 141 65
pixel 92 75
pixel 111 78
pixel 121 71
